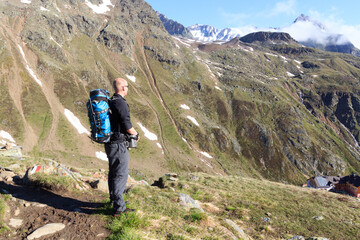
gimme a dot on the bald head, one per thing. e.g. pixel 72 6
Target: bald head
pixel 120 86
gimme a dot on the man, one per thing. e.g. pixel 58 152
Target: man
pixel 116 149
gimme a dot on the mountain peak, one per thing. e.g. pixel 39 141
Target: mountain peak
pixel 303 18
pixel 306 18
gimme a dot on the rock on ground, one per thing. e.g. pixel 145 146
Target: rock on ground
pixel 47 229
pixel 187 202
pixel 241 232
pixel 15 223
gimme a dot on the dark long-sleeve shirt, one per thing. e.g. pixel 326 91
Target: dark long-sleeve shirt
pixel 120 114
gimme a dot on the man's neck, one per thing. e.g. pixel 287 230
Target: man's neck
pixel 121 94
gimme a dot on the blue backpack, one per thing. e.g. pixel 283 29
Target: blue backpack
pixel 98 112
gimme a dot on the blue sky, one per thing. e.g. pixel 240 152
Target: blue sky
pixel 260 13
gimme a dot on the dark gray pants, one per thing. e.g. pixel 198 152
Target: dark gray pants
pixel 118 156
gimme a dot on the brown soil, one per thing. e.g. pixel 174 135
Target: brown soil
pixel 78 211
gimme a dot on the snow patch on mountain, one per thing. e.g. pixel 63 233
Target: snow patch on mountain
pixel 100 9
pixel 184 106
pixel 149 135
pixel 206 154
pixel 290 74
pixel 6 137
pixel 44 9
pixel 102 156
pixel 52 39
pixel 32 73
pixel 131 78
pixel 193 120
pixel 75 122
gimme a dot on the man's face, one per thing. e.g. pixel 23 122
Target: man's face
pixel 126 88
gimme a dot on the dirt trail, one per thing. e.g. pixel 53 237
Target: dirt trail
pixel 153 85
pixel 38 207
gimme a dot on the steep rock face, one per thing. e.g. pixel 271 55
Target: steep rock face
pixel 173 27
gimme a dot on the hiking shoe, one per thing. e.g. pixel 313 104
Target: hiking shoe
pixel 127 210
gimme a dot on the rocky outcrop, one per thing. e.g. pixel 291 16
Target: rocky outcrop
pixel 278 37
pixel 174 28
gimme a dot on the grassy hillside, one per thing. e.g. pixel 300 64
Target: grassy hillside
pixel 263 209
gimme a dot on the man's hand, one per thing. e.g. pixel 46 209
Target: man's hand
pixel 132 131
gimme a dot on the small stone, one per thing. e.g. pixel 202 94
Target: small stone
pixel 102 170
pixel 317 238
pixel 298 237
pixel 26 204
pixel 241 232
pixel 101 185
pixel 187 202
pixel 15 223
pixel 194 178
pixel 17 212
pixel 47 229
pixel 266 219
pixel 7 174
pixel 172 189
pixel 101 235
pixel 268 214
pixel 185 186
pixel 40 205
pixel 173 179
pixel 175 175
pixel 318 218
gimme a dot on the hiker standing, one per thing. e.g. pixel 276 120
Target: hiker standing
pixel 116 150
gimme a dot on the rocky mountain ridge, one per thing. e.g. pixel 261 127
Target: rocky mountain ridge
pixel 317 35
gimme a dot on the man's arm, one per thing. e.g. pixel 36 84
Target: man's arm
pixel 132 131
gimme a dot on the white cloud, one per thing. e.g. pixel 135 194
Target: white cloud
pixel 284 7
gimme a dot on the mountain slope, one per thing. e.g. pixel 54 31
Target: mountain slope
pixel 280 111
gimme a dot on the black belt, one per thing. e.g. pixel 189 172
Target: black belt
pixel 118 137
